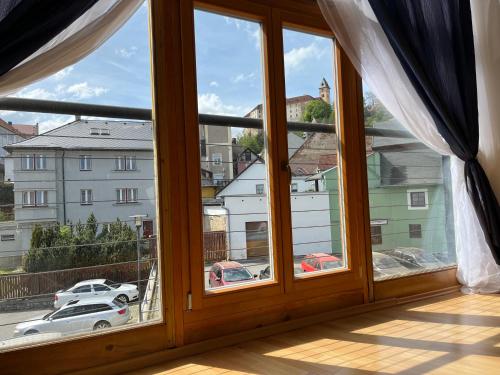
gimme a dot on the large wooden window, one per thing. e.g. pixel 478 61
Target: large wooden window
pixel 264 205
pixel 409 197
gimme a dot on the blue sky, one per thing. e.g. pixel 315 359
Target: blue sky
pixel 228 52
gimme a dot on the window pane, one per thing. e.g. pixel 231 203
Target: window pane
pixel 72 223
pixel 120 163
pixel 410 199
pixel 234 174
pixel 313 155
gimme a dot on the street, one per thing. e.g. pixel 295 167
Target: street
pixel 9 320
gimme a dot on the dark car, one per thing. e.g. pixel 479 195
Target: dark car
pixel 415 258
pixel 265 273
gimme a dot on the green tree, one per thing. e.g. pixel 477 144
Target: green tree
pixel 254 142
pixel 319 111
pixel 119 242
pixel 87 252
pixel 374 111
pixel 65 247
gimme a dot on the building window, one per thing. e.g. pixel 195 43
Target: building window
pixel 217 158
pixel 130 163
pixel 259 189
pixel 132 195
pixel 219 178
pixel 120 163
pixel 7 237
pixel 40 162
pixel 85 163
pixel 126 195
pixel 294 187
pixel 86 196
pixel 417 199
pixel 94 131
pixel 41 198
pixel 32 162
pixel 203 147
pixel 376 231
pixel 248 156
pixel 27 162
pixel 125 163
pixel 415 230
pixel 36 198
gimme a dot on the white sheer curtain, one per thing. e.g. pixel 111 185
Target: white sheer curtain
pixel 362 38
pixel 78 40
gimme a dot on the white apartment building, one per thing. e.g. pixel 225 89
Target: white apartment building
pixel 84 167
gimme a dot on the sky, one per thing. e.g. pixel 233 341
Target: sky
pixel 229 69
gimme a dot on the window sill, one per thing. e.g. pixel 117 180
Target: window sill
pixel 126 203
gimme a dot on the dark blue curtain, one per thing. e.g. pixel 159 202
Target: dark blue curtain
pixel 434 43
pixel 27 25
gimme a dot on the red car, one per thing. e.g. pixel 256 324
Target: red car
pixel 227 273
pixel 319 262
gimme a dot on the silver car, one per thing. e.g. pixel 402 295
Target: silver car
pixel 96 288
pixel 78 316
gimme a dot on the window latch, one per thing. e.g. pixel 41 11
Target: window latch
pixel 285 167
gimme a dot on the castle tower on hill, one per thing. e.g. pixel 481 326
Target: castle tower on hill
pixel 324 91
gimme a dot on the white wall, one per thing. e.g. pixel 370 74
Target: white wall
pixel 310 218
pixel 310 213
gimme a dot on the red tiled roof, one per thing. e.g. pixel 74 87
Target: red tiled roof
pixel 10 128
pixel 26 129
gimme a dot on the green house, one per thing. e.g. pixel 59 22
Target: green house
pixel 410 198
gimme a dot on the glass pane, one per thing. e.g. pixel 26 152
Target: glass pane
pixel 313 154
pixel 237 246
pixel 60 213
pixel 411 214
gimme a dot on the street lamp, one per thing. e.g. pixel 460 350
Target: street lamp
pixel 138 225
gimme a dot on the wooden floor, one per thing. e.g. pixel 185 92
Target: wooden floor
pixel 454 334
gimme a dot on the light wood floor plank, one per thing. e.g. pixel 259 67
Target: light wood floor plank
pixel 455 334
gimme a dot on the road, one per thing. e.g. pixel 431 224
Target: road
pixel 9 320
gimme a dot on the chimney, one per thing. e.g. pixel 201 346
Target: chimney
pixel 10 122
pixel 78 117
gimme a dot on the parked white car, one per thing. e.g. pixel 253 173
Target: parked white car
pixel 78 316
pixel 96 288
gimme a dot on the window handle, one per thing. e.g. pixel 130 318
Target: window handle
pixel 285 167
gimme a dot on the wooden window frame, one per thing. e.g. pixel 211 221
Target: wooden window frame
pixel 195 317
pixel 202 307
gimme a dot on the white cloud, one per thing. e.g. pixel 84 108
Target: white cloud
pixel 214 84
pixel 52 122
pixel 37 93
pixel 256 36
pixel 82 90
pixel 126 52
pixel 243 77
pixel 296 57
pixel 211 103
pixel 252 29
pixel 63 73
pixel 233 21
